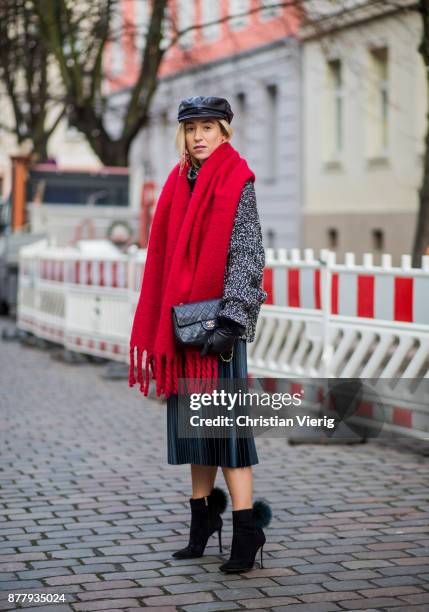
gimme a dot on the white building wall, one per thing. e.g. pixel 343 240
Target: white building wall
pixel 363 181
pixel 67 146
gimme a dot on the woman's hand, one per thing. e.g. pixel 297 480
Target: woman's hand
pixel 223 338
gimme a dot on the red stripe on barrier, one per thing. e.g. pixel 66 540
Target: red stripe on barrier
pixel 317 300
pixel 78 341
pixel 114 274
pixel 403 310
pixel 89 272
pixel 334 294
pixel 270 385
pixel 77 272
pixel 365 409
pixel 365 296
pixel 296 388
pixel 402 417
pixel 293 297
pixel 268 285
pixel 102 346
pixel 116 348
pixel 101 273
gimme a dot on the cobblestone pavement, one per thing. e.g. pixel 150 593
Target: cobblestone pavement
pixel 91 510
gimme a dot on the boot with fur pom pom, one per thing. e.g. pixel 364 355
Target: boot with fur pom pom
pixel 248 536
pixel 205 520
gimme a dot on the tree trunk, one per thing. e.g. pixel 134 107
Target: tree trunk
pixel 41 150
pixel 112 153
pixel 421 239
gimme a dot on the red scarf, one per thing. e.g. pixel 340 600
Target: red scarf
pixel 186 258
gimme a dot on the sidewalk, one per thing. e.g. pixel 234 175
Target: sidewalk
pixel 90 509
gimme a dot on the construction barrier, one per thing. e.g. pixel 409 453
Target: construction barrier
pixel 322 319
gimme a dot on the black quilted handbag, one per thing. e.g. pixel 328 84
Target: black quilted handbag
pixel 194 322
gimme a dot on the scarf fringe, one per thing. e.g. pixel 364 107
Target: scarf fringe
pixel 131 371
pixel 201 373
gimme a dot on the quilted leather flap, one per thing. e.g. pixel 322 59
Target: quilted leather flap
pixel 186 314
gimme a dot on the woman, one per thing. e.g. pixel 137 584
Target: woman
pixel 205 243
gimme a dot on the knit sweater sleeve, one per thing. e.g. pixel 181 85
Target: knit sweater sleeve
pixel 243 294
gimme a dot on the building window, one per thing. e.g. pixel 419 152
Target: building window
pixel 241 121
pixel 141 23
pixel 335 108
pixel 167 29
pixel 166 139
pixel 378 239
pixel 117 51
pixel 238 7
pixel 210 11
pixel 267 11
pixel 271 155
pixel 271 238
pixel 332 238
pixel 185 19
pixel 378 103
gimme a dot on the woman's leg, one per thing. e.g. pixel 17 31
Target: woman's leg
pixel 203 479
pixel 240 486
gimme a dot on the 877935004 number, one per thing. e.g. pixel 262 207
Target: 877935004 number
pixel 36 597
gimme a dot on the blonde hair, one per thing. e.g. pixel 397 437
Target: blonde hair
pixel 180 141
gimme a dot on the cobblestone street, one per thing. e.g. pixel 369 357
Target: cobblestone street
pixel 91 510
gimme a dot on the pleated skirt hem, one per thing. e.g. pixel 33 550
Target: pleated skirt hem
pixel 231 451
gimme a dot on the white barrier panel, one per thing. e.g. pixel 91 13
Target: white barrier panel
pixel 321 319
pixel 84 302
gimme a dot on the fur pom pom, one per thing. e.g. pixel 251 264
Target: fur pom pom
pixel 218 499
pixel 262 513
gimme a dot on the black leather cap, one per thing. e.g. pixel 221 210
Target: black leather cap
pixel 204 106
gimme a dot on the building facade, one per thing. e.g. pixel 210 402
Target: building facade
pixel 248 54
pixel 364 93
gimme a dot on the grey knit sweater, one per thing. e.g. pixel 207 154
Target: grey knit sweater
pixel 243 294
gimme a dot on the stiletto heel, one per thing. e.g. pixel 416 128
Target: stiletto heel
pixel 220 540
pixel 247 537
pixel 205 520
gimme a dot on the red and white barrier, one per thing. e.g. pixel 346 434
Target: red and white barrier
pixel 321 319
pixel 84 302
pixel 384 293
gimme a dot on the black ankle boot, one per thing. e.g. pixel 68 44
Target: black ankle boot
pixel 248 536
pixel 205 520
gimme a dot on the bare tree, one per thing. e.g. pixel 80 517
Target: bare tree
pixel 24 67
pixel 77 34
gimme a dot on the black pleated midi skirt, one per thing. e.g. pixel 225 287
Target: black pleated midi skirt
pixel 231 451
